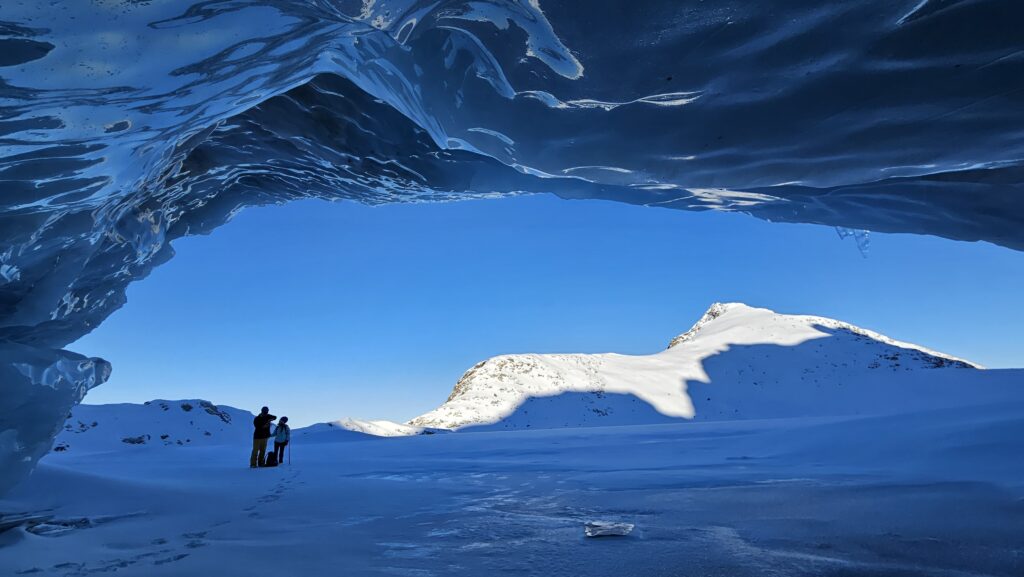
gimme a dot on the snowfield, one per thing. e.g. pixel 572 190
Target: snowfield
pixel 936 493
pixel 756 444
pixel 192 422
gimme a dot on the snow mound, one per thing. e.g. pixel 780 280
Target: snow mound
pixel 114 427
pixel 377 428
pixel 737 361
pixel 193 422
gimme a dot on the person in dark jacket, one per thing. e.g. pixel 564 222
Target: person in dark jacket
pixel 282 434
pixel 261 432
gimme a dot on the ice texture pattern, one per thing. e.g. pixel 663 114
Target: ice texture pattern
pixel 126 124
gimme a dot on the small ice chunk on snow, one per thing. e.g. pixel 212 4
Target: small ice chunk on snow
pixel 606 528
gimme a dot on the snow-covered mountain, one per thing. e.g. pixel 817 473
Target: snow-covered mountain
pixel 737 361
pixel 111 427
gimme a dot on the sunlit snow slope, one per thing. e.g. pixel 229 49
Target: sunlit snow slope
pixel 355 428
pixel 736 362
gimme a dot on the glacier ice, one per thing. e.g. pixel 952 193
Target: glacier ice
pixel 40 386
pixel 125 125
pixel 607 529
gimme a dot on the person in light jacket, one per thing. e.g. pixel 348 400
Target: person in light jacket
pixel 282 434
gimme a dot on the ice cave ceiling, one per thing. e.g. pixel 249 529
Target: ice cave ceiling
pixel 126 124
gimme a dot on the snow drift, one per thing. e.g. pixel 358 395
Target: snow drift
pixel 355 429
pixel 91 429
pixel 129 124
pixel 115 427
pixel 737 362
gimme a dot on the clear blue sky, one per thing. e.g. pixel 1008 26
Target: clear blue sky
pixel 330 310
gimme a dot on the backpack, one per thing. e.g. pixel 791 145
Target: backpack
pixel 271 460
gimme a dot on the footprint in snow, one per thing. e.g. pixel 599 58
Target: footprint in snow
pixel 196 539
pixel 171 559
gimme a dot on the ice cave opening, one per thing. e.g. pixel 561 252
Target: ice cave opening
pixel 306 304
pixel 129 125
